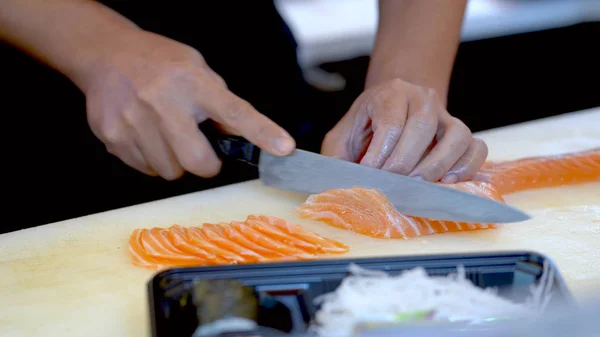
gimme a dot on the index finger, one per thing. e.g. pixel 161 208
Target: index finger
pixel 240 116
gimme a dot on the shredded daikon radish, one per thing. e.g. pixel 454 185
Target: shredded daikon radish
pixel 368 296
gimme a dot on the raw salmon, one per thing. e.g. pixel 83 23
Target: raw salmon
pixel 258 239
pixel 539 172
pixel 369 212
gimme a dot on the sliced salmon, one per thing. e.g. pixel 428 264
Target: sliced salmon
pixel 157 244
pixel 138 253
pixel 323 244
pixel 258 239
pixel 215 234
pixel 259 224
pixel 198 239
pixel 540 172
pixel 179 237
pixel 282 247
pixel 369 212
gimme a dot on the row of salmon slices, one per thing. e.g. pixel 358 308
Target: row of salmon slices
pixel 258 239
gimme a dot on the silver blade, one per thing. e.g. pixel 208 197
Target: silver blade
pixel 307 172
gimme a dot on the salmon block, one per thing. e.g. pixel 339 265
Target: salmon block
pixel 539 172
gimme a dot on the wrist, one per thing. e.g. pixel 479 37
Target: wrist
pixel 440 85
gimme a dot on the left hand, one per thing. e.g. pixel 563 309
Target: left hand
pixel 404 128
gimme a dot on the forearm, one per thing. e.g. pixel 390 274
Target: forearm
pixel 417 42
pixel 68 35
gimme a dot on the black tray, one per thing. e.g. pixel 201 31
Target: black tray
pixel 296 284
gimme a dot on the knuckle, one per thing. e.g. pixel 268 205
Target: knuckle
pixel 130 116
pixel 400 167
pixel 395 85
pixel 180 72
pixel 381 102
pixel 113 137
pixel 465 138
pixel 430 94
pixel 151 90
pixel 425 122
pixel 178 75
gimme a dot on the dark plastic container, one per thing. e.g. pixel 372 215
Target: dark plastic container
pixel 294 285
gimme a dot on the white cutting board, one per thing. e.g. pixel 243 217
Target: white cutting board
pixel 74 278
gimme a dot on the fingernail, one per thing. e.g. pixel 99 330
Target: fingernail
pixel 284 145
pixel 450 178
pixel 418 178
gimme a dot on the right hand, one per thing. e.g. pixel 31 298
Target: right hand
pixel 147 98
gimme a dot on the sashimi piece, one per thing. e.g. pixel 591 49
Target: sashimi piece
pixel 178 236
pixel 215 234
pixel 323 244
pixel 231 233
pixel 138 252
pixel 260 239
pixel 369 212
pixel 539 172
pixel 271 231
pixel 159 247
pixel 198 239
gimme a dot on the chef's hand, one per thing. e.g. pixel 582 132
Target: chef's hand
pixel 147 99
pixel 403 128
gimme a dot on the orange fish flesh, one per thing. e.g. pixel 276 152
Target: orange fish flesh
pixel 258 239
pixel 540 172
pixel 369 212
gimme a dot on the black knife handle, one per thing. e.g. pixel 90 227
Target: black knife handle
pixel 230 148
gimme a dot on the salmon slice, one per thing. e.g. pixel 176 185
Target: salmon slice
pixel 323 244
pixel 157 245
pixel 231 233
pixel 540 172
pixel 138 252
pixel 198 239
pixel 260 239
pixel 179 237
pixel 216 235
pixel 369 212
pixel 271 231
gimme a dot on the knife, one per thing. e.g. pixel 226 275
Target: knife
pixel 310 173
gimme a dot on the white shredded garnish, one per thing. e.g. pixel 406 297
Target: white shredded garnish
pixel 368 296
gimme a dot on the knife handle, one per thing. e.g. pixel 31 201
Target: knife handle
pixel 230 148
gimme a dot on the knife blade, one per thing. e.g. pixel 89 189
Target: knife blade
pixel 310 173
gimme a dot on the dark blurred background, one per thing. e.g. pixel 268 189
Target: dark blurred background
pixel 503 75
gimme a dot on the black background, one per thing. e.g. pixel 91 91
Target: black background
pixel 58 170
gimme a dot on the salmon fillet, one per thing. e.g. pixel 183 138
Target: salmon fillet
pixel 539 172
pixel 369 212
pixel 258 239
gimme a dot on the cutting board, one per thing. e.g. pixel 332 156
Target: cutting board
pixel 74 278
